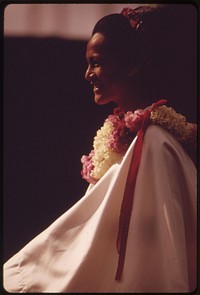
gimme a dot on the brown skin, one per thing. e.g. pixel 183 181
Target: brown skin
pixel 110 81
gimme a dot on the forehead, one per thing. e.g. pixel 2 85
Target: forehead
pixel 97 45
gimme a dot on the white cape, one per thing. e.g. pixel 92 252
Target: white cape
pixel 78 253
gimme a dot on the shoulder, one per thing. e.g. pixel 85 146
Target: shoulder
pixel 160 144
pixel 157 136
pixel 158 141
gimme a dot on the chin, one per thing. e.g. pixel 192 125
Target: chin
pixel 101 100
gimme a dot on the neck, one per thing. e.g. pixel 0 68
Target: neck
pixel 132 102
pixel 135 96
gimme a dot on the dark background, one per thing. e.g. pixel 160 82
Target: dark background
pixel 50 120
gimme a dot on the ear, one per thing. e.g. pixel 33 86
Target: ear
pixel 133 70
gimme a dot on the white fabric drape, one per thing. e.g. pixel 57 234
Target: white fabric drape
pixel 77 253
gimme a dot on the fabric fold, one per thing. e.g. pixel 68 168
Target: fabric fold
pixel 78 253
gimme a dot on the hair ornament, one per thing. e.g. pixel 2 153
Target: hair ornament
pixel 133 17
pixel 138 16
pixel 138 25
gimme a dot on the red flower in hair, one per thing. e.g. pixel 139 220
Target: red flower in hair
pixel 134 20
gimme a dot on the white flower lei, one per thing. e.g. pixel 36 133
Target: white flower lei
pixel 175 123
pixel 114 137
pixel 104 156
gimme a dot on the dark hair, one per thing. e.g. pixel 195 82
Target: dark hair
pixel 121 38
pixel 164 44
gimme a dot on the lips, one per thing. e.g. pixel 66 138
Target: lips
pixel 97 87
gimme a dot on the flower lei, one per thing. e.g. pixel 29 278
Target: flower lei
pixel 119 129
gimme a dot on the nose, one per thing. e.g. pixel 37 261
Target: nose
pixel 88 74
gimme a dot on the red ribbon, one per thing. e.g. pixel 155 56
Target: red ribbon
pixel 127 202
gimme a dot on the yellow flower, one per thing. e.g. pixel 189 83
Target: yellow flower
pixel 175 123
pixel 104 157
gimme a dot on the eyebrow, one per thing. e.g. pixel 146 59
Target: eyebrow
pixel 93 56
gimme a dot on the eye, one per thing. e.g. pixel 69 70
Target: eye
pixel 95 63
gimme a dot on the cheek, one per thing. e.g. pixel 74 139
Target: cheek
pixel 117 79
pixel 108 71
pixel 117 73
pixel 110 76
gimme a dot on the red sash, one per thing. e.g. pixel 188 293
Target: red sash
pixel 127 202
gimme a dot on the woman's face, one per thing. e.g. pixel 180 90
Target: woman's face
pixel 103 72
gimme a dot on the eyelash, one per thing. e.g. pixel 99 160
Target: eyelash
pixel 95 64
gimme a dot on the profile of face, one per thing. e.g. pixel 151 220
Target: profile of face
pixel 108 78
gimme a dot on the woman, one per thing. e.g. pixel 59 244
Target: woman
pixel 134 230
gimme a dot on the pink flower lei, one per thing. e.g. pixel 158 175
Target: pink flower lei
pixel 124 129
pixel 119 129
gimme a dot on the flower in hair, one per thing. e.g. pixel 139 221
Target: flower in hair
pixel 138 15
pixel 133 17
